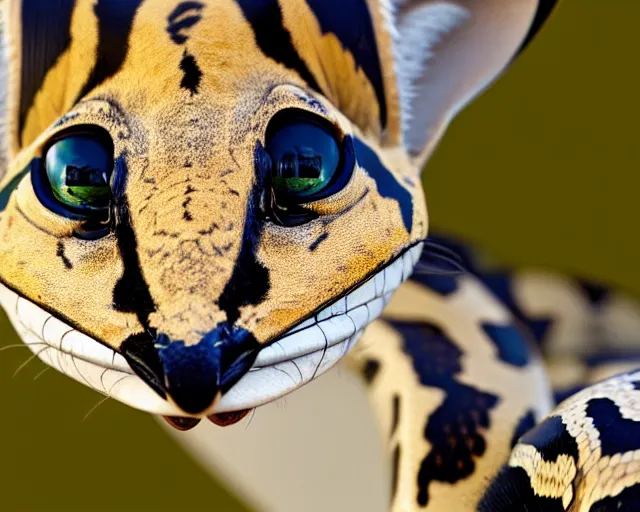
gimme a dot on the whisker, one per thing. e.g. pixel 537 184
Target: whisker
pixel 18 345
pixel 34 356
pixel 41 373
pixel 430 246
pixel 251 419
pixel 95 407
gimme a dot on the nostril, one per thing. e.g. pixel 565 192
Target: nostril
pixel 195 375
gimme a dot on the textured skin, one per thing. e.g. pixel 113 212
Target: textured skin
pixel 458 381
pixel 192 259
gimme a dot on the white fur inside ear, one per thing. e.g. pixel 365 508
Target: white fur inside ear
pixel 416 32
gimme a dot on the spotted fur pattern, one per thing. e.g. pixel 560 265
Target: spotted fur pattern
pixel 193 298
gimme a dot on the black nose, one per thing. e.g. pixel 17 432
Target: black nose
pixel 193 375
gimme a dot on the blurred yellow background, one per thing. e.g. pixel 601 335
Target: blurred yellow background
pixel 541 170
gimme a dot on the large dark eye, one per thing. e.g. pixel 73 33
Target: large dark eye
pixel 307 158
pixel 78 170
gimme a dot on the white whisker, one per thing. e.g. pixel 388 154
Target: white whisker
pixel 24 365
pixel 42 372
pixel 105 399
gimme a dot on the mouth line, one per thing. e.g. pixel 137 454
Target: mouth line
pixel 290 361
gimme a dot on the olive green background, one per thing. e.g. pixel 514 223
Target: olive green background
pixel 542 169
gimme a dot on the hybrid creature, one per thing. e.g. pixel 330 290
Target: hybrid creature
pixel 205 203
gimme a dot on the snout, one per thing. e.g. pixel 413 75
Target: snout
pixel 193 376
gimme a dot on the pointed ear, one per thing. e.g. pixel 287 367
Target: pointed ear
pixel 448 51
pixel 47 52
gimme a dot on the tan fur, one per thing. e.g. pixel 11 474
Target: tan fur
pixel 191 181
pixel 164 129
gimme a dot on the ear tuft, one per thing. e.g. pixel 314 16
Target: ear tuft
pixel 415 37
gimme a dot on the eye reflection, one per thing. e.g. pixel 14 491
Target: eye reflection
pixel 79 168
pixel 306 157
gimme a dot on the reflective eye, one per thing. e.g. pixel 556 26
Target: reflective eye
pixel 306 157
pixel 79 168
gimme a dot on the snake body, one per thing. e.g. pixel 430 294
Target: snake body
pixel 485 358
pixel 204 204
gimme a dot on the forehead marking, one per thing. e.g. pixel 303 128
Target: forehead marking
pixel 53 20
pixel 115 19
pixel 179 23
pixel 178 28
pixel 388 185
pixel 191 73
pixel 265 18
pixel 354 29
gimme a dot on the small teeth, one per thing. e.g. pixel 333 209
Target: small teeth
pixel 338 321
pixel 308 350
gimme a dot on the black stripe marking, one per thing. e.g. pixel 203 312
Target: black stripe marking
pixel 318 241
pixel 552 439
pixel 265 18
pixel 395 471
pixel 617 434
pixel 501 286
pixel 511 491
pixel 60 254
pixel 183 8
pixel 395 418
pixel 5 193
pixel 370 370
pixel 249 283
pixel 46 35
pixel 115 20
pixel 131 293
pixel 388 185
pixel 455 430
pixel 178 24
pixel 510 342
pixel 627 501
pixel 350 22
pixel 191 73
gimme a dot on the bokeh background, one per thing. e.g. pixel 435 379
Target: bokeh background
pixel 541 170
